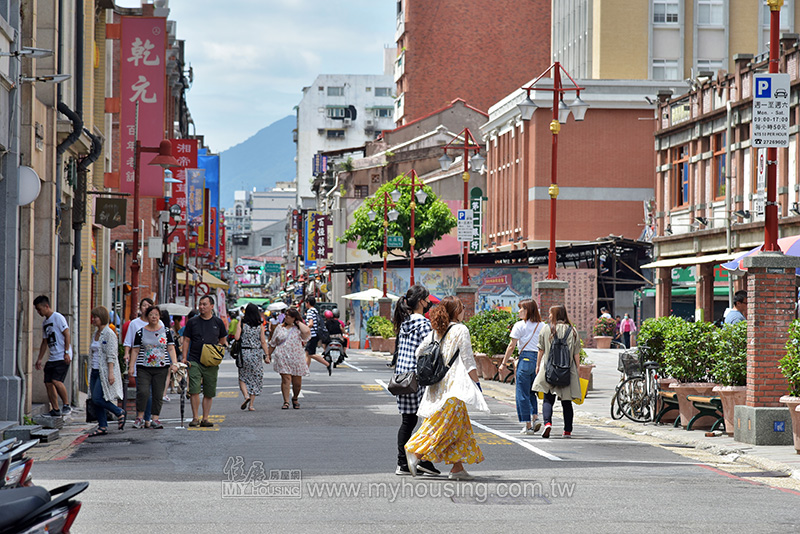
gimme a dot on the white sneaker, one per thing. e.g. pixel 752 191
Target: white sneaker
pixel 460 475
pixel 527 431
pixel 166 398
pixel 537 425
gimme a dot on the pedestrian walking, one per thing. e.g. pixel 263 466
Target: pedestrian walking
pixel 203 329
pixel 525 334
pixel 105 380
pixel 313 320
pixel 154 353
pixel 286 349
pixel 134 325
pixel 446 433
pixel 57 341
pixel 560 326
pixel 250 330
pixel 627 326
pixel 411 327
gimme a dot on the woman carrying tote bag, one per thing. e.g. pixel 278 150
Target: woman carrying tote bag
pixel 446 434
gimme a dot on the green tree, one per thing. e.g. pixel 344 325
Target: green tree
pixel 432 220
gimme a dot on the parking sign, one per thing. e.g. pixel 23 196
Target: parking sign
pixel 771 111
pixel 464 225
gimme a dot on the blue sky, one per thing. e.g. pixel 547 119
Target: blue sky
pixel 252 58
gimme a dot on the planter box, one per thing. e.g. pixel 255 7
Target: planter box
pixel 585 372
pixel 793 403
pixel 381 344
pixel 481 362
pixel 703 389
pixel 602 342
pixel 731 397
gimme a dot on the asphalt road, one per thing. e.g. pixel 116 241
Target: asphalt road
pixel 329 467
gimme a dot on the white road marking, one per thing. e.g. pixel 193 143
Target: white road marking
pixel 353 367
pixel 519 442
pixel 301 393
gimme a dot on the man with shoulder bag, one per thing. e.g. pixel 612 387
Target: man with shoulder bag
pixel 204 340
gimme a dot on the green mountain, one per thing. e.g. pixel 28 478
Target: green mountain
pixel 260 161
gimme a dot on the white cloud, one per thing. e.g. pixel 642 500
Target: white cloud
pixel 251 58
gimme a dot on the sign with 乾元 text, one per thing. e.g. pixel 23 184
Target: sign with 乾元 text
pixel 770 111
pixel 143 82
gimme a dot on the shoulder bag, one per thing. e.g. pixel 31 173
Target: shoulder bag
pixel 212 355
pixel 403 384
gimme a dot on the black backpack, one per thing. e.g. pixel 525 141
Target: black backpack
pixel 322 329
pixel 430 364
pixel 558 360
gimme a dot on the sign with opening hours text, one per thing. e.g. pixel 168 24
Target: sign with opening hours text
pixel 771 111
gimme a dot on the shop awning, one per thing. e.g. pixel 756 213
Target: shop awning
pixel 207 277
pixel 689 260
pixel 687 291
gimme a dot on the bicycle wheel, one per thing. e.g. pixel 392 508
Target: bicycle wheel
pixel 616 411
pixel 637 407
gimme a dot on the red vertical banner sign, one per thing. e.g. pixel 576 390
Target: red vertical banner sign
pixel 185 151
pixel 143 47
pixel 212 234
pixel 223 262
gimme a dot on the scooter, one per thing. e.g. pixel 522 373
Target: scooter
pixel 18 465
pixel 335 352
pixel 34 509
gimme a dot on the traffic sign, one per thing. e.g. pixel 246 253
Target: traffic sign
pixel 771 111
pixel 272 267
pixel 203 288
pixel 394 241
pixel 464 225
pixel 240 269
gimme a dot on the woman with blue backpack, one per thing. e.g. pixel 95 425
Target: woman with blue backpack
pixel 557 368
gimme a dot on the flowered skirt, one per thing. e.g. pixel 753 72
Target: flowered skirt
pixel 447 436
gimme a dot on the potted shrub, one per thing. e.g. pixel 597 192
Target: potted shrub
pixel 729 369
pixel 603 331
pixel 790 367
pixel 381 334
pixel 688 354
pixel 489 333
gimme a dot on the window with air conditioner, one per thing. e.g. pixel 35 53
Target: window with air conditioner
pixel 336 112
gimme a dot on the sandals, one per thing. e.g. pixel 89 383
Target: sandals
pixel 245 403
pixel 285 406
pixel 98 432
pixel 295 404
pixel 121 420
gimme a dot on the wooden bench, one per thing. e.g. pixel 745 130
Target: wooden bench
pixel 707 406
pixel 669 402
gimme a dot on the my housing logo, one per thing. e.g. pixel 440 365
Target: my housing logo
pixel 256 482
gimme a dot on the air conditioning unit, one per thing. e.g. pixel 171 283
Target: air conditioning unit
pixel 321 131
pixel 369 124
pixel 347 122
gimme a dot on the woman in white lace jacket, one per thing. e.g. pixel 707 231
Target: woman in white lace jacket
pixel 446 434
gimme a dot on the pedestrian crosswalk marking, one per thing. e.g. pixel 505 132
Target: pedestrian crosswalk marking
pixel 371 387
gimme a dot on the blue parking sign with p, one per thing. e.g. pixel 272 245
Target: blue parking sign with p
pixel 763 87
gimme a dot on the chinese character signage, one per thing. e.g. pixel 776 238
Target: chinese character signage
pixel 320 164
pixel 770 111
pixel 142 82
pixel 323 227
pixel 477 220
pixel 310 240
pixel 195 200
pixel 185 151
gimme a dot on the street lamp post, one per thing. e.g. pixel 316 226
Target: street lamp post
pixel 170 212
pixel 477 161
pixel 561 113
pixel 387 216
pixel 421 196
pixel 771 207
pixel 165 160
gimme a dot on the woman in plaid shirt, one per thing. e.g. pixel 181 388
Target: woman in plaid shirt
pixel 411 327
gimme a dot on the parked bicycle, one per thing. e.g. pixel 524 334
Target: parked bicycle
pixel 636 396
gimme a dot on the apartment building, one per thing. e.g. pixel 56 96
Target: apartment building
pixel 660 39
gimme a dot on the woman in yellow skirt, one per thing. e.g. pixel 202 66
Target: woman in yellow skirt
pixel 446 434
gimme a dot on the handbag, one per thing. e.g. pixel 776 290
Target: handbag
pixel 236 348
pixel 212 355
pixel 403 384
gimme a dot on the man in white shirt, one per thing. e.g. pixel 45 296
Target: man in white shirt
pixel 57 339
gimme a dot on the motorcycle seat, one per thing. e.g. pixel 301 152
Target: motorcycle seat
pixel 16 503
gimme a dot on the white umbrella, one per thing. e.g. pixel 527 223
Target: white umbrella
pixel 277 306
pixel 370 294
pixel 175 309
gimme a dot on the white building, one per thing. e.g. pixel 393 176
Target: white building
pixel 340 111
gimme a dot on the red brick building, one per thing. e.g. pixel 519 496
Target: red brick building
pixel 605 167
pixel 478 51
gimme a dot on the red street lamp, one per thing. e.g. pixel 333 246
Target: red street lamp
pixel 420 196
pixel 561 113
pixel 771 207
pixel 387 216
pixel 165 160
pixel 477 162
